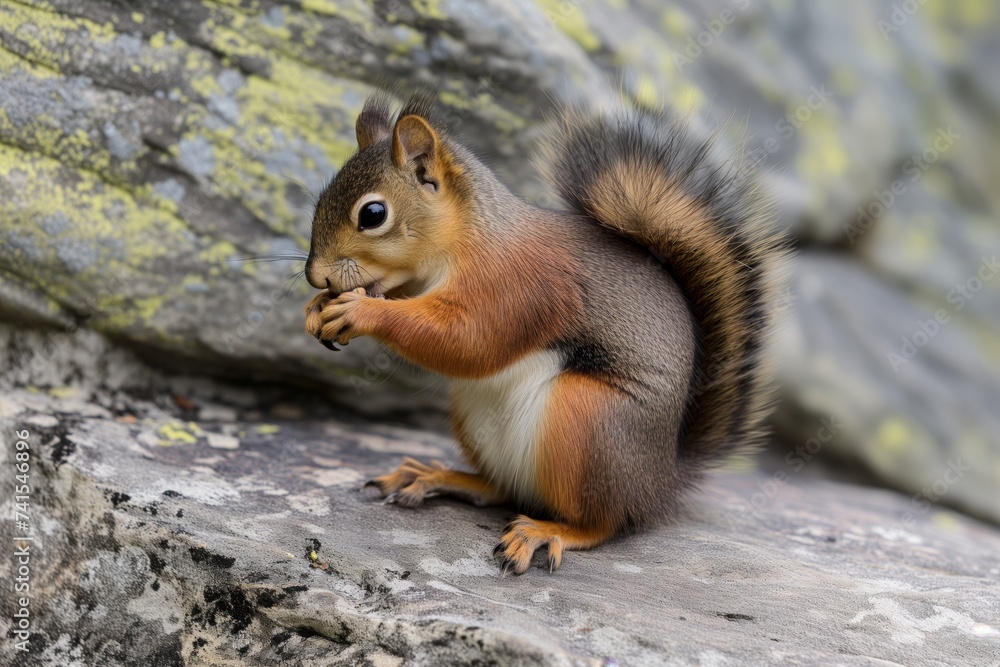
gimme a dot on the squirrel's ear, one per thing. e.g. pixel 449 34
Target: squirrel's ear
pixel 374 122
pixel 416 146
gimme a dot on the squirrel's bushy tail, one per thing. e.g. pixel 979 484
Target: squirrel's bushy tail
pixel 641 174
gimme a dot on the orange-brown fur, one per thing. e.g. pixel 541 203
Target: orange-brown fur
pixel 636 191
pixel 576 405
pixel 413 481
pixel 489 325
pixel 524 536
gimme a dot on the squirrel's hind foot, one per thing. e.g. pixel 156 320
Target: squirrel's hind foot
pixel 414 481
pixel 523 536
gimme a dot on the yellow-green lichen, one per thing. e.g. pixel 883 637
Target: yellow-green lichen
pixel 945 521
pixel 900 445
pixel 429 8
pixel 920 241
pixel 676 22
pixel 293 107
pixel 822 154
pixel 571 20
pixel 218 255
pixel 845 81
pixel 688 98
pixel 326 7
pixel 646 93
pixel 485 106
pixel 105 234
pixel 10 61
pixel 46 33
pixel 893 435
pixel 177 433
pixel 406 39
pixel 158 41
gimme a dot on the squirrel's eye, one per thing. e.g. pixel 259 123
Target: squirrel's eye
pixel 372 215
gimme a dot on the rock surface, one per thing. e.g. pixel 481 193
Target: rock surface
pixel 907 425
pixel 131 190
pixel 144 152
pixel 163 542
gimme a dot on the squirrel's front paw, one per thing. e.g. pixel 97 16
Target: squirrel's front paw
pixel 335 320
pixel 313 309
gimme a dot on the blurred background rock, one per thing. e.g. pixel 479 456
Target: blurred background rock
pixel 147 149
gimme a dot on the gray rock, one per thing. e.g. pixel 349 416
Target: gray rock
pixel 152 547
pixel 909 395
pixel 183 133
pixel 146 154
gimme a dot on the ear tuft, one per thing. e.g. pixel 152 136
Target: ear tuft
pixel 375 120
pixel 421 103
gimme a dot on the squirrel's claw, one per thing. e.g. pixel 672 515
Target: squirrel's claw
pixel 414 482
pixel 328 318
pixel 507 566
pixel 521 538
pixel 373 489
pixel 399 488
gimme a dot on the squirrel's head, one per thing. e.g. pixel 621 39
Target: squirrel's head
pixel 386 220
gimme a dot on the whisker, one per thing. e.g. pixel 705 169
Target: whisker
pixel 269 259
pixel 420 234
pixel 291 283
pixel 348 271
pixel 399 362
pixel 361 268
pixel 433 385
pixel 313 199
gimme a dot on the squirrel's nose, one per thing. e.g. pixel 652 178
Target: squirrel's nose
pixel 319 282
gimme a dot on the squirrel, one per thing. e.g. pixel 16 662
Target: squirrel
pixel 601 358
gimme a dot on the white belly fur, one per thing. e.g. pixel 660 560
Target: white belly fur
pixel 502 416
